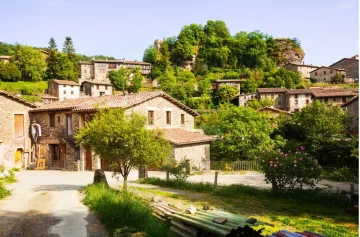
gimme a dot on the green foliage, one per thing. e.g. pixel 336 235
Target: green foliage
pixel 31 62
pixel 242 132
pixel 123 141
pixel 343 174
pixel 258 104
pixel 68 46
pixel 118 210
pixel 290 169
pixel 9 72
pixel 6 49
pixel 181 170
pixel 150 55
pixel 227 93
pixel 178 184
pixel 337 79
pixel 52 44
pixel 26 91
pixel 126 79
pixel 282 78
pixel 61 66
pixel 17 87
pixel 231 75
pixel 4 192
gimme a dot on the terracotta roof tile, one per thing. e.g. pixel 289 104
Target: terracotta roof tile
pixel 65 82
pixel 179 136
pixel 110 101
pixel 98 83
pixel 137 62
pixel 46 96
pixel 275 110
pixel 299 91
pixel 334 94
pixel 14 97
pixel 270 90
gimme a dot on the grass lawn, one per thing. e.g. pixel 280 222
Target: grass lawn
pixel 26 88
pixel 123 213
pixel 318 211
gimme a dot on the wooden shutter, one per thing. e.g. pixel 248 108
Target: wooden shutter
pixel 52 120
pixel 182 119
pixel 19 125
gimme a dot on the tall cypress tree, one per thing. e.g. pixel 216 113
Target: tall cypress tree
pixel 68 46
pixel 52 44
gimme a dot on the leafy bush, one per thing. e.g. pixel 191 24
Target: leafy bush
pixel 287 170
pixel 3 191
pixel 342 174
pixel 123 209
pixel 180 170
pixel 26 91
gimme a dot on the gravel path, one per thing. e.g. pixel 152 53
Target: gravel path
pixel 48 204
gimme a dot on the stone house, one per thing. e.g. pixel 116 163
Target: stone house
pixel 64 90
pixel 352 106
pixel 231 82
pixel 97 70
pixel 275 94
pixel 15 143
pixel 334 96
pixel 275 112
pixel 325 74
pixel 245 98
pixel 351 65
pixel 95 89
pixel 304 69
pixel 4 58
pixel 297 99
pixel 47 99
pixel 60 121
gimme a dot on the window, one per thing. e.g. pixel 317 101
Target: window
pixel 307 102
pixel 168 117
pixel 105 87
pixel 64 92
pixel 315 73
pixel 296 110
pixel 18 125
pixel 112 66
pixel 183 119
pixel 343 99
pixel 52 120
pixel 58 119
pixel 72 92
pixel 324 72
pixel 296 102
pixel 326 100
pixel 279 95
pixel 296 96
pixel 272 96
pixel 150 117
pixel 279 102
pixel 330 71
pixel 97 87
pixel 102 93
pixel 72 86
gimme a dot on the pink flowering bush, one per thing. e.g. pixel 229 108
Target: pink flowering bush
pixel 290 169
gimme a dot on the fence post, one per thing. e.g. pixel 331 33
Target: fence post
pixel 167 176
pixel 216 179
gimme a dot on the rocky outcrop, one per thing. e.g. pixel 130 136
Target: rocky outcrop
pixel 288 51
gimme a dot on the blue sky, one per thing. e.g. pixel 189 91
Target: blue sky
pixel 328 29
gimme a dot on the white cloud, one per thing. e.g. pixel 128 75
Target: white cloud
pixel 345 6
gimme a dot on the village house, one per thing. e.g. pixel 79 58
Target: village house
pixel 15 143
pixel 4 58
pixel 97 70
pixel 275 94
pixel 231 82
pixel 297 99
pixel 352 106
pixel 245 98
pixel 95 89
pixel 334 96
pixel 64 90
pixel 274 113
pixel 304 69
pixel 60 121
pixel 351 65
pixel 325 74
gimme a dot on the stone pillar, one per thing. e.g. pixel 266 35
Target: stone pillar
pixel 82 160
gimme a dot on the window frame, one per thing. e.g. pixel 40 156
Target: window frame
pixel 168 117
pixel 17 131
pixel 52 120
pixel 182 120
pixel 150 118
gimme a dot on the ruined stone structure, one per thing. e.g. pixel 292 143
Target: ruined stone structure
pixel 15 143
pixel 58 147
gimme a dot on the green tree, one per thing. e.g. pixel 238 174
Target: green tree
pixel 167 81
pixel 337 79
pixel 150 55
pixel 136 79
pixel 185 85
pixel 52 44
pixel 61 67
pixel 31 62
pixel 124 141
pixel 120 78
pixel 9 72
pixel 258 104
pixel 68 46
pixel 242 132
pixel 227 93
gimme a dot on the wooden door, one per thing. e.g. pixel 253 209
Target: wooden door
pixel 88 161
pixel 18 157
pixel 57 155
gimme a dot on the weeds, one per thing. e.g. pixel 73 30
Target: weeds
pixel 118 210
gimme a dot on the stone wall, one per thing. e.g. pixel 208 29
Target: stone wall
pixel 8 143
pixel 297 102
pixel 198 154
pixel 325 74
pixel 353 110
pixel 278 97
pixel 350 65
pixel 160 105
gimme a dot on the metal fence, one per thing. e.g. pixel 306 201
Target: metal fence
pixel 234 165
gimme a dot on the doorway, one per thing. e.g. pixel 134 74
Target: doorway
pixel 18 157
pixel 57 154
pixel 69 131
pixel 88 162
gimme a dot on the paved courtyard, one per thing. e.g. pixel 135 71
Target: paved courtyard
pixel 47 203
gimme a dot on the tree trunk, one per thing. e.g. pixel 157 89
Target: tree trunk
pixel 125 183
pixel 274 185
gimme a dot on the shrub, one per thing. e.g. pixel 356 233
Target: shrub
pixel 342 174
pixel 287 170
pixel 3 191
pixel 180 170
pixel 26 91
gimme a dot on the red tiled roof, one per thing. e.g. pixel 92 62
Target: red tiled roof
pixel 65 82
pixel 356 98
pixel 270 90
pixel 137 62
pixel 85 62
pixel 110 101
pixel 275 110
pixel 46 96
pixel 334 94
pixel 179 136
pixel 337 69
pixel 228 80
pixel 299 91
pixel 107 61
pixel 98 83
pixel 18 99
pixel 351 59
